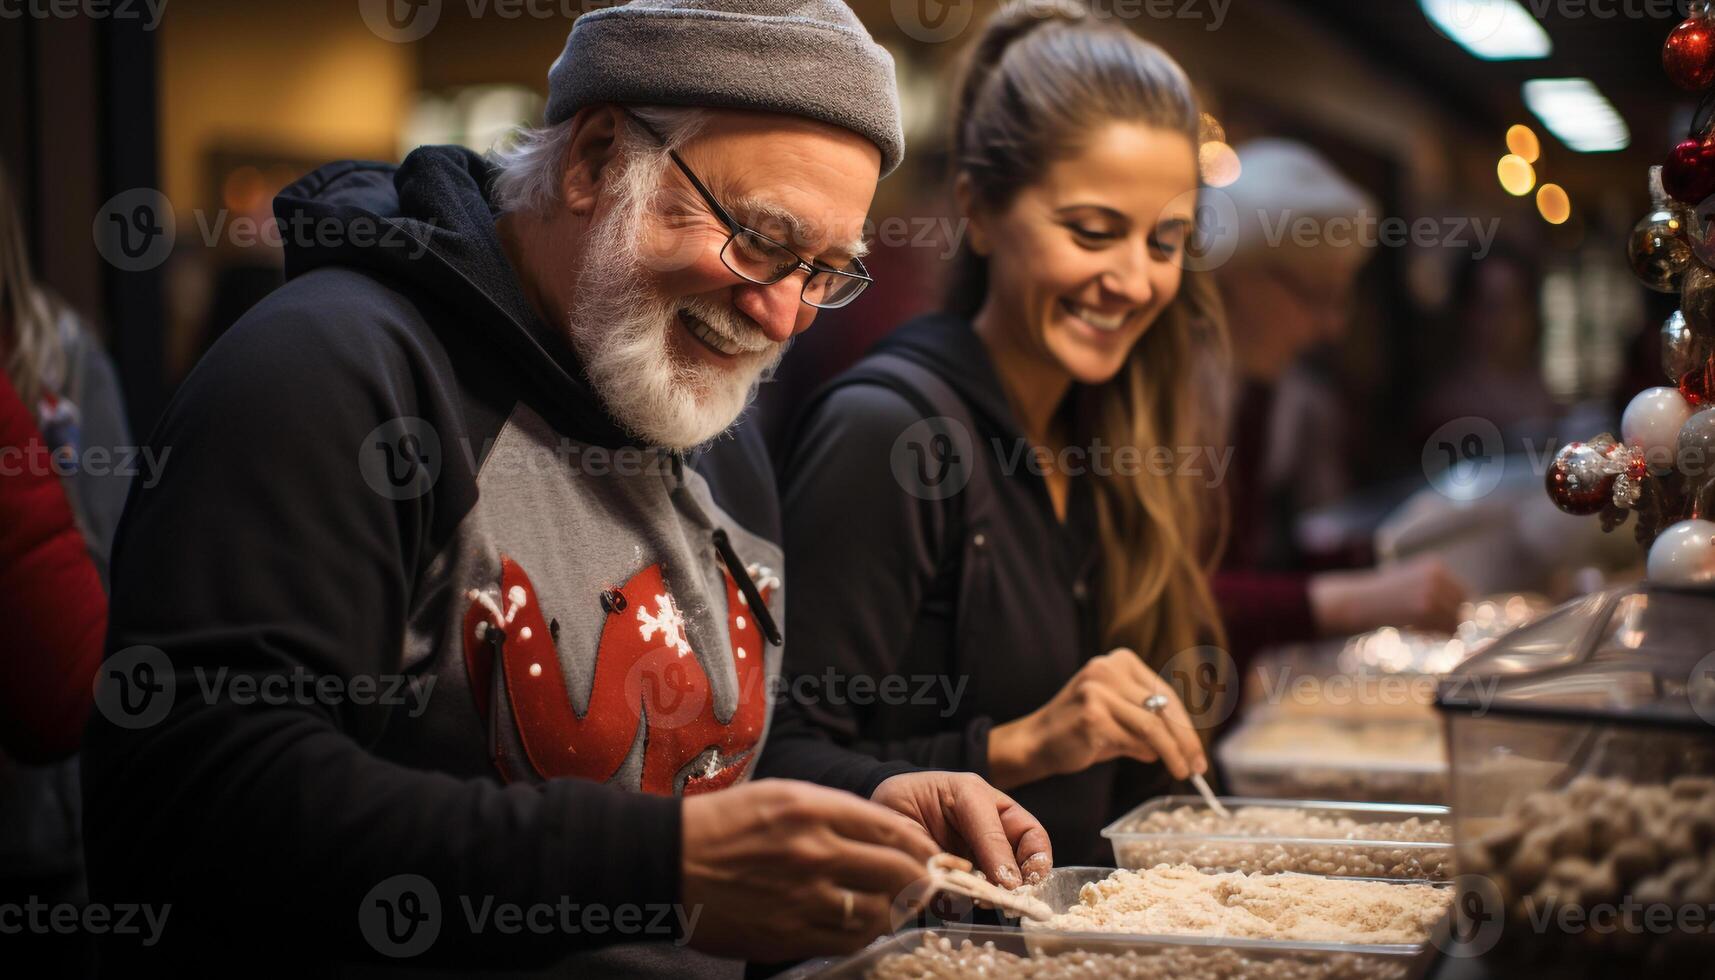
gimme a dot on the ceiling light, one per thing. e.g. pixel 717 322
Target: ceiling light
pixel 1577 112
pixel 1493 30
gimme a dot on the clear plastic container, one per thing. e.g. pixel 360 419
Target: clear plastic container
pixel 1396 848
pixel 1583 760
pixel 1324 757
pixel 1140 957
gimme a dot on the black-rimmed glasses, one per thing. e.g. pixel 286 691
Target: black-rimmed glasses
pixel 758 258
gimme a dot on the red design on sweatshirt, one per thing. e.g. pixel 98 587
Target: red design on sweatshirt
pixel 646 673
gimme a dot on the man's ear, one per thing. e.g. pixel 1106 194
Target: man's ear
pixel 965 195
pixel 593 146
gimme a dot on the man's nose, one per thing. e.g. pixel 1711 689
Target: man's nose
pixel 773 308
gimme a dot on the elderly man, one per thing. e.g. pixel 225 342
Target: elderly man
pixel 463 619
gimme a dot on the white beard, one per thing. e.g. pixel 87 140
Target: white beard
pixel 620 326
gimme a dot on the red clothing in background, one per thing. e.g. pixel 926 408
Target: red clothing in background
pixel 1261 608
pixel 53 611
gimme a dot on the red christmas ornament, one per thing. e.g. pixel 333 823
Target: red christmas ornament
pixel 1689 173
pixel 1698 386
pixel 1689 54
pixel 1580 479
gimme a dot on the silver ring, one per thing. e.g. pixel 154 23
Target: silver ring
pixel 848 922
pixel 1155 703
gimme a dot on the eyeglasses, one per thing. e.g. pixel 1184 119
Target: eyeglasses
pixel 753 256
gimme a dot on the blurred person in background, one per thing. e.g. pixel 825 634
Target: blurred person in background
pixel 1495 368
pixel 1284 293
pixel 1045 602
pixel 58 398
pixel 493 416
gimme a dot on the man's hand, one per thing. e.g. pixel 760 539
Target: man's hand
pixel 769 865
pixel 968 817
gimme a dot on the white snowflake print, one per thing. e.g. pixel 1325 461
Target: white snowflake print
pixel 667 621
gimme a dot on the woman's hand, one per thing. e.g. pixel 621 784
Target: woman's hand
pixel 1099 715
pixel 1422 593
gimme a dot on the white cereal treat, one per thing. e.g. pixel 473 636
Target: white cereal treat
pixel 1181 900
pixel 939 959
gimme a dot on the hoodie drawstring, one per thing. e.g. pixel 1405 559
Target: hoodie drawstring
pixel 747 585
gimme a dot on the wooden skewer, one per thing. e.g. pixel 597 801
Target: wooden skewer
pixel 1202 785
pixel 952 874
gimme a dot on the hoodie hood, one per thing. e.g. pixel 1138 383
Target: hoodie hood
pixel 426 228
pixel 949 346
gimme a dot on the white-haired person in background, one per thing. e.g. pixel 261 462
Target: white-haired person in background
pixel 1297 247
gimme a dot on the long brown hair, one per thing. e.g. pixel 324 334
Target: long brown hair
pixel 1041 76
pixel 30 348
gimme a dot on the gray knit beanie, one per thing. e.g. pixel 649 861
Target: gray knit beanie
pixel 802 57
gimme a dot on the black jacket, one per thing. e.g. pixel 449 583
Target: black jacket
pixel 390 477
pixel 931 578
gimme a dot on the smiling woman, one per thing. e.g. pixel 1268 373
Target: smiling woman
pixel 924 541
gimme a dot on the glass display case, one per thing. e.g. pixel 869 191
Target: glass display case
pixel 1582 755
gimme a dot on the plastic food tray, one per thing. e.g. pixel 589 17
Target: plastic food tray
pixel 1158 957
pixel 1061 890
pixel 1291 757
pixel 1358 856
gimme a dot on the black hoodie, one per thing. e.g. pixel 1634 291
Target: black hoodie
pixel 408 622
pixel 959 587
